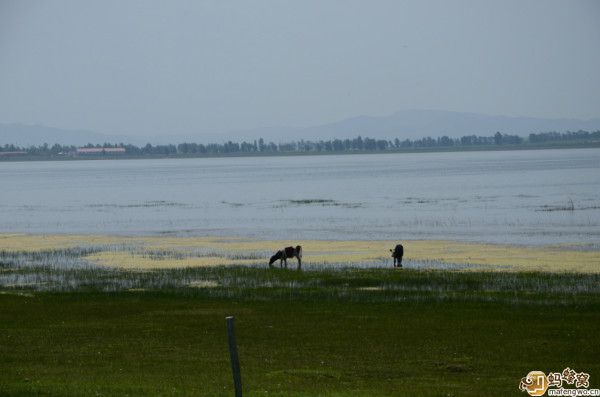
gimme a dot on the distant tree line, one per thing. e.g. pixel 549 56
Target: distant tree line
pixel 358 144
pixel 564 137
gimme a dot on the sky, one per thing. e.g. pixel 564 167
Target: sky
pixel 183 67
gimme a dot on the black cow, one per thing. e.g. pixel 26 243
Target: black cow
pixel 397 254
pixel 284 254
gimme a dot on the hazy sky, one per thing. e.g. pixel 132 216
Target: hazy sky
pixel 150 67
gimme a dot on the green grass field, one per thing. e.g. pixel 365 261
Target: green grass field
pixel 328 332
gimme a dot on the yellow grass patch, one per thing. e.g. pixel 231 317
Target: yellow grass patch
pixel 544 258
pixel 203 284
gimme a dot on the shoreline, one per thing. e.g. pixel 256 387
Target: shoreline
pixel 501 148
pixel 159 252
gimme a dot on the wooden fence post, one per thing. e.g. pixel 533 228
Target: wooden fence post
pixel 233 355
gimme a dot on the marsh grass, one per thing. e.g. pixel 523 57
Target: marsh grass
pixel 246 276
pixel 67 271
pixel 569 206
pixel 318 202
pixel 145 204
pixel 62 258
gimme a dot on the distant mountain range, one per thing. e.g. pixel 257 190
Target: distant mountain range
pixel 404 124
pixel 413 124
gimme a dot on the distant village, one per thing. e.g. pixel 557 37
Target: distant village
pixel 80 151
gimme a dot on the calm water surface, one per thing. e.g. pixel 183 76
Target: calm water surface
pixel 510 196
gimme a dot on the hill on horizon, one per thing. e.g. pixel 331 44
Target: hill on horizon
pixel 404 124
pixel 414 124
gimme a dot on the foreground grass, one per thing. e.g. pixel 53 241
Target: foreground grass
pixel 348 332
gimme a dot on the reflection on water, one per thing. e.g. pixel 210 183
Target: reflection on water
pixel 530 197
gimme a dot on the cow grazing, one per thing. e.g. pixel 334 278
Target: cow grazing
pixel 284 254
pixel 397 254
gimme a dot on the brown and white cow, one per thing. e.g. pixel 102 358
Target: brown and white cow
pixel 284 254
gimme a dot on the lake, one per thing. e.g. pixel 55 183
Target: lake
pixel 522 197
